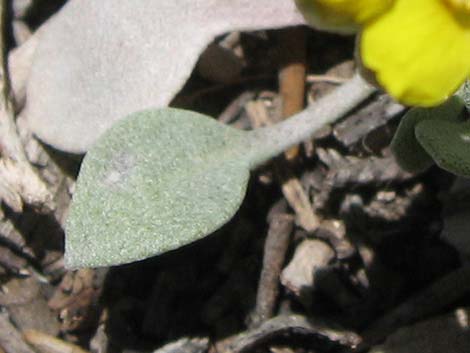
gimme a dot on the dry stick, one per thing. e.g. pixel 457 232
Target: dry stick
pixel 326 78
pixel 18 181
pixel 297 325
pixel 431 300
pixel 275 247
pixel 292 76
pixel 45 343
pixel 185 345
pixel 11 340
pixel 235 107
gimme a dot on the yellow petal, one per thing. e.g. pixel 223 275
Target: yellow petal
pixel 419 50
pixel 342 16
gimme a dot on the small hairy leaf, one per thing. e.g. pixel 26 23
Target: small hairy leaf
pixel 408 151
pixel 155 181
pixel 160 179
pixel 448 143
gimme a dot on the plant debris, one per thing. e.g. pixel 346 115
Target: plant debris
pixel 335 249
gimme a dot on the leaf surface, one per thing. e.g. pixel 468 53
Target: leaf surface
pixel 408 151
pixel 448 143
pixel 97 61
pixel 154 182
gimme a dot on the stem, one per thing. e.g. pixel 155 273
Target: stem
pixel 266 143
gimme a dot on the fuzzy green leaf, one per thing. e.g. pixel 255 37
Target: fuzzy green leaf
pixel 448 143
pixel 156 181
pixel 409 153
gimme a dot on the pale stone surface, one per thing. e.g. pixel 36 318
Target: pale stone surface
pixel 310 256
pixel 99 60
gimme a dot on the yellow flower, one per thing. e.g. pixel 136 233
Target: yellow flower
pixel 419 50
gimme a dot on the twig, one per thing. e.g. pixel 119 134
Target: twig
pixel 275 248
pixel 235 107
pixel 49 344
pixel 297 198
pixel 292 325
pixel 325 78
pixel 185 345
pixel 18 181
pixel 292 76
